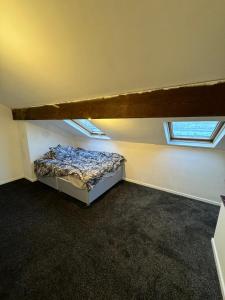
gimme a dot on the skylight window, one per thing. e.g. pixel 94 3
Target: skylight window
pixel 87 127
pixel 200 130
pixel 195 133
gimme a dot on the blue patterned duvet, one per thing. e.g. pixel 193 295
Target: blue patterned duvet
pixel 88 166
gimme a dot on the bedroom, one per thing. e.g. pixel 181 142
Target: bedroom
pixel 135 71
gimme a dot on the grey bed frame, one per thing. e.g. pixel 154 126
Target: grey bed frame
pixel 84 195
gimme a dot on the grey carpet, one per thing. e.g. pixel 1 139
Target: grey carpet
pixel 132 243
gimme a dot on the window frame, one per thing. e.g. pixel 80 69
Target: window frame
pixel 210 140
pixel 82 130
pixel 94 134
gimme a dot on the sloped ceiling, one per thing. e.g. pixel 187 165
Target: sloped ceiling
pixel 150 131
pixel 55 51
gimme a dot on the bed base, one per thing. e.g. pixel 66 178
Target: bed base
pixel 84 195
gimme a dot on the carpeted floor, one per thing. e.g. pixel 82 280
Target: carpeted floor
pixel 132 243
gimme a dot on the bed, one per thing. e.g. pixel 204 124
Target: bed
pixel 82 174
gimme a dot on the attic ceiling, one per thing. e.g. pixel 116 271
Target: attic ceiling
pixel 129 130
pixel 59 51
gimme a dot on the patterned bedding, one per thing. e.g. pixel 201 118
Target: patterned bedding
pixel 88 166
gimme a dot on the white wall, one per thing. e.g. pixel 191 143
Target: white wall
pixel 37 137
pixel 195 172
pixel 218 244
pixel 10 155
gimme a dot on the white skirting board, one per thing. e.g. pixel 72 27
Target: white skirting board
pixel 31 179
pixel 172 191
pixel 137 182
pixel 10 180
pixel 219 272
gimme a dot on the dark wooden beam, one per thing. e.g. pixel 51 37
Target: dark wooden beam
pixel 187 101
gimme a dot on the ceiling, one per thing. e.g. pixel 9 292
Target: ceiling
pixel 150 131
pixel 56 51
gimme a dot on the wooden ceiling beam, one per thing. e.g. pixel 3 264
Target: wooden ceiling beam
pixel 186 101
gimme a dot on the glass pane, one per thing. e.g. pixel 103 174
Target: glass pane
pixel 194 130
pixel 88 125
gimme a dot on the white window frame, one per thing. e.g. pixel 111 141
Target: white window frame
pixel 86 132
pixel 193 143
